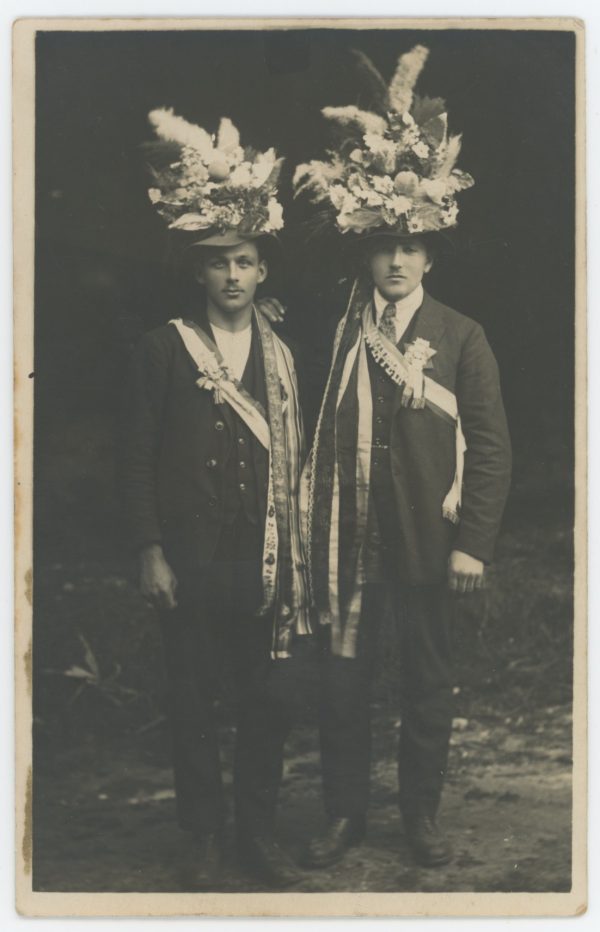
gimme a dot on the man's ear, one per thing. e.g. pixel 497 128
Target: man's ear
pixel 263 270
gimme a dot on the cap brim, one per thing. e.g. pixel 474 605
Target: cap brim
pixel 443 237
pixel 231 238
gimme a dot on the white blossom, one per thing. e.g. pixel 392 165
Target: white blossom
pixel 421 150
pixel 383 184
pixel 275 221
pixel 434 188
pixel 242 175
pixel 399 204
pixel 337 194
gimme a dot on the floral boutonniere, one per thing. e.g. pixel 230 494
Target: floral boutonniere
pixel 211 379
pixel 418 354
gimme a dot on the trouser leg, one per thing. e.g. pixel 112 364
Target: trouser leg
pixel 263 714
pixel 345 717
pixel 263 724
pixel 424 616
pixel 193 660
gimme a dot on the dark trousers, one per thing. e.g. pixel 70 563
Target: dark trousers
pixel 421 620
pixel 215 617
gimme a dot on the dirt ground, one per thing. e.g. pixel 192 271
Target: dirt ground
pixel 105 817
pixel 104 810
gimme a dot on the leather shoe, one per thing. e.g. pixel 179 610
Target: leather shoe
pixel 203 869
pixel 330 847
pixel 266 859
pixel 429 846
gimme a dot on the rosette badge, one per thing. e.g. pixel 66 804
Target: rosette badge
pixel 395 168
pixel 210 183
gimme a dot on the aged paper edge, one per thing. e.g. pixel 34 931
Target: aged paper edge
pixel 33 903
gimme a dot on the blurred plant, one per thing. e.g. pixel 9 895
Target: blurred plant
pixel 90 676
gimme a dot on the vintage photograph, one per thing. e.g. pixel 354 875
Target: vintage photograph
pixel 302 311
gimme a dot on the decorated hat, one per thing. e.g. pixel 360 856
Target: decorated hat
pixel 394 170
pixel 209 185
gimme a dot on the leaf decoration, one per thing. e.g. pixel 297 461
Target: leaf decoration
pixel 273 178
pixel 189 222
pixel 362 219
pixel 450 156
pixel 425 108
pixel 435 129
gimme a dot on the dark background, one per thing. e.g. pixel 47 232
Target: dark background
pixel 102 278
pixel 101 272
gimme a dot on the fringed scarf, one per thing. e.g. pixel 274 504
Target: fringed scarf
pixel 357 334
pixel 280 431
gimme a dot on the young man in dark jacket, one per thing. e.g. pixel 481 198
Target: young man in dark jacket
pixel 410 465
pixel 213 452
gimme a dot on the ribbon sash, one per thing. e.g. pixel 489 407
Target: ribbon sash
pixel 321 493
pixel 283 565
pixel 425 391
pixel 215 375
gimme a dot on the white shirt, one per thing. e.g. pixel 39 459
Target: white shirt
pixel 405 308
pixel 234 346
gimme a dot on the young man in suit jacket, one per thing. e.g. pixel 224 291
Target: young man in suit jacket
pixel 410 465
pixel 212 459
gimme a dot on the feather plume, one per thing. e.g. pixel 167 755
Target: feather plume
pixel 317 176
pixel 367 122
pixel 309 177
pixel 160 153
pixel 408 70
pixel 228 137
pixel 375 87
pixel 174 128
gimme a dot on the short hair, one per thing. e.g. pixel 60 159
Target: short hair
pixel 373 244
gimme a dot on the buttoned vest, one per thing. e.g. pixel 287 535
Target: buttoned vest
pixel 245 471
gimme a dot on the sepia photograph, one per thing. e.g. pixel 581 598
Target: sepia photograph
pixel 300 445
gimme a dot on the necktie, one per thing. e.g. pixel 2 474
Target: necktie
pixel 387 324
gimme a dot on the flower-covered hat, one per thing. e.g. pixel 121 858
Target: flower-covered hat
pixel 210 185
pixel 394 171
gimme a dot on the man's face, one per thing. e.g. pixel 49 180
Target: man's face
pixel 398 265
pixel 230 275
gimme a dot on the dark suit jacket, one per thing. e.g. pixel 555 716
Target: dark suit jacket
pixel 423 456
pixel 175 443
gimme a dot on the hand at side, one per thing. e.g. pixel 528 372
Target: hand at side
pixel 465 573
pixel 157 579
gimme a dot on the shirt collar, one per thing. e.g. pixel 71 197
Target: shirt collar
pixel 407 305
pixel 233 334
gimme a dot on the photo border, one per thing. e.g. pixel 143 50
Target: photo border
pixel 469 904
